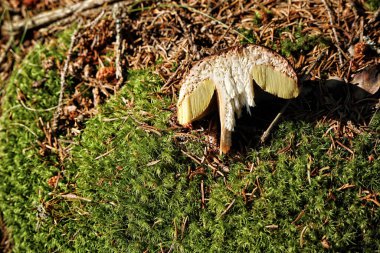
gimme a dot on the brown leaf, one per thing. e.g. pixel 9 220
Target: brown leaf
pixel 368 79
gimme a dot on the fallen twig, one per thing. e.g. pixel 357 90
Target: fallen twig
pixel 105 154
pixel 191 157
pixel 95 21
pixel 116 14
pixel 8 45
pixel 345 147
pixel 72 196
pixel 27 128
pixel 266 133
pixel 51 16
pixel 6 49
pixel 62 23
pixel 299 216
pixel 228 208
pixel 37 110
pixel 202 194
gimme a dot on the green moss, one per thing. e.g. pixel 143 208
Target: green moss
pixel 257 19
pixel 154 207
pixel 372 5
pixel 247 36
pixel 301 44
pixel 131 191
pixel 23 171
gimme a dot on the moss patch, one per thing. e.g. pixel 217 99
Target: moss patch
pixel 23 171
pixel 126 185
pixel 372 5
pixel 300 44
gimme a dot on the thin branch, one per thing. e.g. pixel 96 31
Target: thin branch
pixel 95 21
pixel 10 41
pixel 305 76
pixel 51 16
pixel 62 23
pixel 228 208
pixel 6 49
pixel 27 128
pixel 202 194
pixel 191 157
pixel 213 19
pixel 266 133
pixel 37 110
pixel 105 154
pixel 116 14
pixel 72 196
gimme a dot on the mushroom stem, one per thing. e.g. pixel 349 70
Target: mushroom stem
pixel 225 140
pixel 225 134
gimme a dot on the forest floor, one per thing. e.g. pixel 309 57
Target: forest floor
pixel 334 47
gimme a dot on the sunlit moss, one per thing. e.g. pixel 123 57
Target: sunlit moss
pixel 135 194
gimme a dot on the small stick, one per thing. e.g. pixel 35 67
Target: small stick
pixel 171 78
pixel 63 78
pixel 116 14
pixel 299 216
pixel 72 196
pixel 228 208
pixel 9 43
pixel 305 76
pixel 191 157
pixel 274 122
pixel 37 110
pixel 187 7
pixel 329 12
pixel 7 47
pixel 51 16
pixel 302 235
pixel 62 23
pixel 202 195
pixel 105 154
pixel 27 128
pixel 345 147
pixel 95 21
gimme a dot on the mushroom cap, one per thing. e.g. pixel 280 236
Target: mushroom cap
pixel 231 74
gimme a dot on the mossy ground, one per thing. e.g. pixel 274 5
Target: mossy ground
pixel 126 187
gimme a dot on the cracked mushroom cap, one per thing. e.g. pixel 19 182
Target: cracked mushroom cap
pixel 229 76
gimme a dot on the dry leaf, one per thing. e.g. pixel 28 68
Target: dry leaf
pixel 368 79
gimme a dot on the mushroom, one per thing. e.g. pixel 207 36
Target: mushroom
pixel 228 79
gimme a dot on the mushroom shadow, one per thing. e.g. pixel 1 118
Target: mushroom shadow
pixel 319 100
